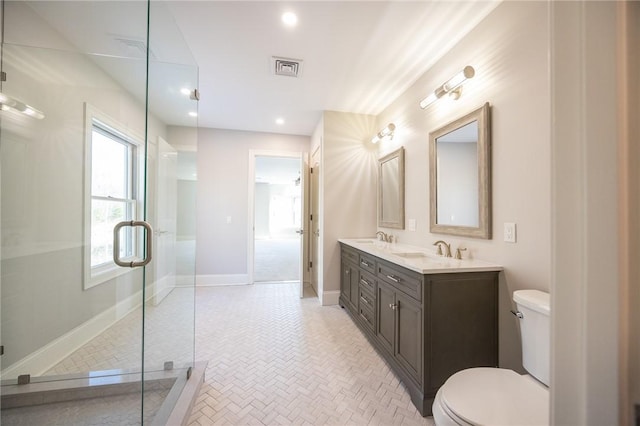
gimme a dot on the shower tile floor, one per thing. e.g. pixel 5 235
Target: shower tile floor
pixel 120 410
pixel 273 359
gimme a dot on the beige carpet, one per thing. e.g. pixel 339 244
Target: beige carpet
pixel 276 259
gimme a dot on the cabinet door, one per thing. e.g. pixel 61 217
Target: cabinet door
pixel 345 282
pixel 354 288
pixel 386 319
pixel 409 335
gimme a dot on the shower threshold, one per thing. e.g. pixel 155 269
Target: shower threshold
pixel 103 397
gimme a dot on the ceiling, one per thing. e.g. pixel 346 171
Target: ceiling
pixel 358 56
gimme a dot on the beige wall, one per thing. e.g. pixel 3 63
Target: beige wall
pixel 509 51
pixel 223 173
pixel 585 296
pixel 348 191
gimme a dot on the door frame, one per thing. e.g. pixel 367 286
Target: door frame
pixel 304 171
pixel 314 245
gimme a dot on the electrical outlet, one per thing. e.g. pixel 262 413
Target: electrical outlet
pixel 510 232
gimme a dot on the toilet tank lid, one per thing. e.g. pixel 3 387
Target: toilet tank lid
pixel 533 299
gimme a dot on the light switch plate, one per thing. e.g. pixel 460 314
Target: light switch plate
pixel 510 232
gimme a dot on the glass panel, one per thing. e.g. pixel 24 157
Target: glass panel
pixel 64 59
pixel 170 278
pixel 80 60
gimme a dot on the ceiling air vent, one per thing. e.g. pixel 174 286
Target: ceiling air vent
pixel 134 48
pixel 286 66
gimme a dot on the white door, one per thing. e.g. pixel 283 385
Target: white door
pixel 304 233
pixel 166 221
pixel 314 228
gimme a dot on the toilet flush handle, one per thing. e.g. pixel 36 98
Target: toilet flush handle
pixel 517 313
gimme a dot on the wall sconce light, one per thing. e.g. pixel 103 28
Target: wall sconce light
pixel 387 131
pixel 453 87
pixel 7 103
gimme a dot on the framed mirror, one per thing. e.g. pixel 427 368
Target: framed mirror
pixel 391 190
pixel 460 176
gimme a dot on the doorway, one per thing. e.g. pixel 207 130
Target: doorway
pixel 277 212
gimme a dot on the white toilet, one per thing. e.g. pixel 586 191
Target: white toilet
pixel 497 396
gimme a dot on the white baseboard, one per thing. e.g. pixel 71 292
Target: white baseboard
pixel 161 289
pixel 217 280
pixel 40 361
pixel 330 297
pixel 185 280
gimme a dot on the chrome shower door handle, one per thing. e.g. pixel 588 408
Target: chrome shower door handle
pixel 148 243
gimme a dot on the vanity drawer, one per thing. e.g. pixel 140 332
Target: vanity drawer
pixel 367 263
pixel 366 315
pixel 367 300
pixel 402 279
pixel 368 282
pixel 350 254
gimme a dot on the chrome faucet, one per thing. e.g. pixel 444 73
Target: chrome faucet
pixel 447 248
pixel 384 237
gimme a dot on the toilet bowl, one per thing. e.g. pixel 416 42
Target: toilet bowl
pixel 498 396
pixel 491 396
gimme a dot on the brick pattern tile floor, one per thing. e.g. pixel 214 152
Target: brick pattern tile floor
pixel 277 359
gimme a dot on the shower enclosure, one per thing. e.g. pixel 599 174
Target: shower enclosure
pixel 98 132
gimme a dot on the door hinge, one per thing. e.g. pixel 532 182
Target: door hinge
pixel 311 170
pixel 2 350
pixel 310 217
pixel 3 76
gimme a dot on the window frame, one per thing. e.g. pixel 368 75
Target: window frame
pixel 93 118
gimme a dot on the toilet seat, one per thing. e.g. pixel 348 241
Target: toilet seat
pixel 492 396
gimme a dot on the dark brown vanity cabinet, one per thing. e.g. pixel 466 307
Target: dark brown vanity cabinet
pixel 426 326
pixel 399 328
pixel 349 289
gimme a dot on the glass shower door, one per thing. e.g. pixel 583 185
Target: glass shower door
pixel 169 343
pixel 79 154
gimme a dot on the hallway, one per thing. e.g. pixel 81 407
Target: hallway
pixel 277 359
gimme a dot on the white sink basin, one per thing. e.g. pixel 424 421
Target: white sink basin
pixel 409 254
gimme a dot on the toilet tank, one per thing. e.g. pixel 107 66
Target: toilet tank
pixel 535 330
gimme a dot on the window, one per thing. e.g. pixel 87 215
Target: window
pixel 112 194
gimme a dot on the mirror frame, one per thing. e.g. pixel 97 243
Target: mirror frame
pixel 398 153
pixel 483 116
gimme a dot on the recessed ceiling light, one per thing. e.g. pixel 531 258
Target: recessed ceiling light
pixel 193 114
pixel 185 91
pixel 280 121
pixel 289 19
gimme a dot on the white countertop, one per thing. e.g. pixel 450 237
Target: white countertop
pixel 418 258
